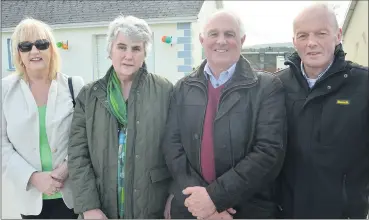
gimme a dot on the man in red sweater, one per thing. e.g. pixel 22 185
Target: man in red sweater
pixel 225 137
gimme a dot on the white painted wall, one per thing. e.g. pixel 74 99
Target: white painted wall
pixel 80 58
pixel 355 40
pixel 165 55
pixel 208 8
pixel 4 54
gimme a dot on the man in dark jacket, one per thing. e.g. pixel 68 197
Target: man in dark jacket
pixel 224 142
pixel 326 170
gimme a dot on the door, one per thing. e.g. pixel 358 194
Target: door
pixel 103 62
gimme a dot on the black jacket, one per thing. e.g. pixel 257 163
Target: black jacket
pixel 326 170
pixel 249 137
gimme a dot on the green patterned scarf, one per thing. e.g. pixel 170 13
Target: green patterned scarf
pixel 118 108
pixel 116 100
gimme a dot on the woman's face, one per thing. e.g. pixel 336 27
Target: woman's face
pixel 127 56
pixel 35 54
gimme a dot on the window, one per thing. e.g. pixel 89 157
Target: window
pixel 10 55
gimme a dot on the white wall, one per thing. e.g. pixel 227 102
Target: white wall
pixel 208 8
pixel 165 54
pixel 80 58
pixel 4 54
pixel 355 40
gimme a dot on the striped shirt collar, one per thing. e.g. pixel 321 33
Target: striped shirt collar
pixel 319 76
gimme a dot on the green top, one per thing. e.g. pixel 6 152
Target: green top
pixel 45 151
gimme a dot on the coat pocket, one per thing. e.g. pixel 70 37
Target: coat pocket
pixel 159 191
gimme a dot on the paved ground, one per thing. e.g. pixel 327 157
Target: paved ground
pixel 8 209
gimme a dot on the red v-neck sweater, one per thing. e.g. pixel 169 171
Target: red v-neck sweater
pixel 207 144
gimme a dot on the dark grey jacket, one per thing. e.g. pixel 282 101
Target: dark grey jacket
pixel 249 134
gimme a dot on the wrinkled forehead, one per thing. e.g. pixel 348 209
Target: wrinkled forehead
pixel 31 32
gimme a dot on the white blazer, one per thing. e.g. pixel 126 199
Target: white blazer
pixel 20 136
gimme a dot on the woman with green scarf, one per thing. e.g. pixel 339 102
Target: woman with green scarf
pixel 115 161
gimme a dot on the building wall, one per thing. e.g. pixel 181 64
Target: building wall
pixel 185 48
pixel 355 40
pixel 80 59
pixel 208 8
pixel 5 68
pixel 263 60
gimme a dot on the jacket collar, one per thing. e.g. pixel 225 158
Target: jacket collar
pixel 137 80
pixel 100 86
pixel 243 74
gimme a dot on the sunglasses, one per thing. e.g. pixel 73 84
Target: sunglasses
pixel 26 46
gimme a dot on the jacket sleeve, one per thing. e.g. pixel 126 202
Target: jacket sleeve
pixel 14 166
pixel 265 159
pixel 81 173
pixel 179 167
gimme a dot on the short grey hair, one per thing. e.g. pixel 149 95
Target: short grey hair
pixel 231 13
pixel 134 28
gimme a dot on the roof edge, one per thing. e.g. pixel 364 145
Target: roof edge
pixel 167 20
pixel 348 16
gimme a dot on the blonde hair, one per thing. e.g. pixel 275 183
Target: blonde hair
pixel 27 29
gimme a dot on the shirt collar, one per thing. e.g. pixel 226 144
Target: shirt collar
pixel 320 74
pixel 228 72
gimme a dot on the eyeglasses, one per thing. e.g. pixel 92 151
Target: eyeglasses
pixel 26 46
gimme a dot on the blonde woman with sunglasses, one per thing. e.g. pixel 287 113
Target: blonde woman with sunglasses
pixel 36 116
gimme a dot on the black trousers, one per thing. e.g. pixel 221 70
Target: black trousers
pixel 53 209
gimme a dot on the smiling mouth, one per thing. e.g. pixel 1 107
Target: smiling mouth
pixel 221 51
pixel 128 65
pixel 36 59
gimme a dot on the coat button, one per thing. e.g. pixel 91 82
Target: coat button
pixel 95 88
pixel 345 75
pixel 55 150
pixel 329 87
pixel 196 136
pixel 137 156
pixel 137 122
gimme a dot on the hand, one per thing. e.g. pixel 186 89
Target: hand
pixel 45 183
pixel 94 214
pixel 199 202
pixel 167 207
pixel 222 215
pixel 60 173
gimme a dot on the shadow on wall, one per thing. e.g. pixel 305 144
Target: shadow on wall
pixel 358 46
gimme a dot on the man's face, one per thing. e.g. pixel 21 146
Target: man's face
pixel 221 41
pixel 315 38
